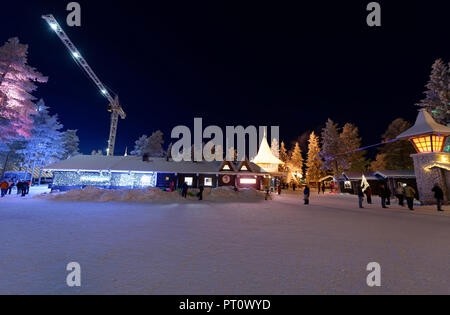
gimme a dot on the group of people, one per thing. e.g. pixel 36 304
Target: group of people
pixel 185 190
pixel 23 187
pixel 403 192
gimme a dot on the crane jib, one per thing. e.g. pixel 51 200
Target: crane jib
pixel 114 105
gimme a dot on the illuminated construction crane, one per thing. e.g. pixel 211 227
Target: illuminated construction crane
pixel 114 106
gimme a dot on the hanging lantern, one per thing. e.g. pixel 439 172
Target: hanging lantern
pixel 429 144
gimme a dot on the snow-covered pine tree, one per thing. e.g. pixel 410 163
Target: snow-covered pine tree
pixel 314 162
pixel 45 145
pixel 395 155
pixel 17 82
pixel 437 96
pixel 275 148
pixel 296 160
pixel 155 145
pixel 350 141
pixel 284 157
pixel 140 146
pixel 331 148
pixel 70 142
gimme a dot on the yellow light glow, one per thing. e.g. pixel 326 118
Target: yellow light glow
pixel 429 144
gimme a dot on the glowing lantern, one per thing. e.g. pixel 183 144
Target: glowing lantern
pixel 426 135
pixel 429 144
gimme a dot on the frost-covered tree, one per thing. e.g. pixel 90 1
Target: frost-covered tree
pixel 296 160
pixel 333 159
pixel 155 144
pixel 45 145
pixel 97 152
pixel 151 146
pixel 437 96
pixel 140 146
pixel 70 142
pixel 395 155
pixel 314 162
pixel 275 148
pixel 351 141
pixel 283 153
pixel 17 82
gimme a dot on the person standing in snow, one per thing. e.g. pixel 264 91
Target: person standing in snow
pixel 388 195
pixel 25 188
pixel 200 193
pixel 400 194
pixel 360 197
pixel 10 187
pixel 323 188
pixel 184 190
pixel 439 196
pixel 307 194
pixel 410 193
pixel 19 187
pixel 4 187
pixel 383 196
pixel 172 186
pixel 294 186
pixel 368 193
pixel 279 189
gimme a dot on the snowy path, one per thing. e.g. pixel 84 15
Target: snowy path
pixel 274 247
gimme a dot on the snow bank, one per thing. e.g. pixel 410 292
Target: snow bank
pixel 150 195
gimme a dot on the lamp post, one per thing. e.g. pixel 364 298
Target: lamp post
pixel 431 163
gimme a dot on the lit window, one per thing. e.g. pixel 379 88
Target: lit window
pixel 208 181
pixel 244 168
pixel 189 180
pixel 247 181
pixel 226 168
pixel 348 185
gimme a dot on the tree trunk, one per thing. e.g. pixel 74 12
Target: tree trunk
pixel 32 171
pixel 40 175
pixel 5 165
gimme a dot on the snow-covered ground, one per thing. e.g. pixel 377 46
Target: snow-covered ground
pixel 213 247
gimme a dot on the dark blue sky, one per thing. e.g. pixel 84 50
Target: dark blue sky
pixel 258 63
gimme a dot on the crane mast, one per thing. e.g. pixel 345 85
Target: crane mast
pixel 114 106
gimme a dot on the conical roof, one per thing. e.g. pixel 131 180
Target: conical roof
pixel 265 155
pixel 425 125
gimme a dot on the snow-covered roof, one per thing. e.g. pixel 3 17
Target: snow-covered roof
pixel 265 155
pixel 396 174
pixel 136 164
pixel 425 124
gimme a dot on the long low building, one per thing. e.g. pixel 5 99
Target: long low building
pixel 118 172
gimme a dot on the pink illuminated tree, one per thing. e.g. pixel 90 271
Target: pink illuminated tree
pixel 17 82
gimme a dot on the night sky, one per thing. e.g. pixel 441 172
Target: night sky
pixel 258 63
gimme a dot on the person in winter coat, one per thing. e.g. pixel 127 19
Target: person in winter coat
pixel 368 193
pixel 11 185
pixel 323 188
pixel 200 193
pixel 4 188
pixel 400 194
pixel 294 186
pixel 360 197
pixel 388 195
pixel 410 193
pixel 279 189
pixel 438 195
pixel 383 196
pixel 307 194
pixel 172 186
pixel 184 190
pixel 25 188
pixel 19 186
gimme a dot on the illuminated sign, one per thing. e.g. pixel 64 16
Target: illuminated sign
pixel 248 181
